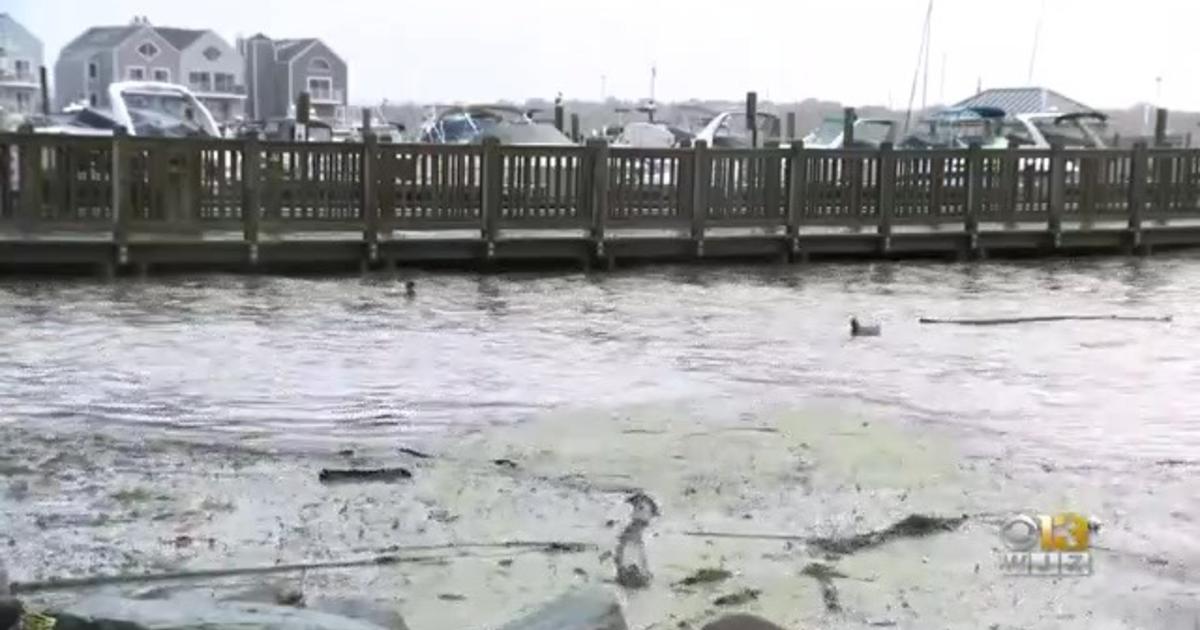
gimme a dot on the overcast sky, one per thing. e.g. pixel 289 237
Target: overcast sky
pixel 861 52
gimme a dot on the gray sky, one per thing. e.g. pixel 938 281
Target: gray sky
pixel 861 52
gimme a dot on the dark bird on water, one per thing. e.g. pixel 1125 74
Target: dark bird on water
pixel 858 329
pixel 410 289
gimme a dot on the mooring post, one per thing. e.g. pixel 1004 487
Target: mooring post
pixel 251 196
pixel 975 193
pixel 1139 169
pixel 1009 180
pixel 791 125
pixel 1160 128
pixel 1058 182
pixel 575 128
pixel 559 116
pixel 887 195
pixel 797 193
pixel 701 175
pixel 370 201
pixel 849 117
pixel 597 149
pixel 492 180
pixel 121 210
pixel 29 178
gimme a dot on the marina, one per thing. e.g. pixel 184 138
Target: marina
pixel 132 203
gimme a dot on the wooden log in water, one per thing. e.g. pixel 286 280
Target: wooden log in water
pixel 1043 318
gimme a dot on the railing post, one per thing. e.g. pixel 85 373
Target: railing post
pixel 791 125
pixel 370 201
pixel 493 181
pixel 29 178
pixel 1139 168
pixel 797 193
pixel 1008 184
pixel 251 195
pixel 575 128
pixel 1058 182
pixel 774 208
pixel 887 194
pixel 120 200
pixel 701 177
pixel 974 195
pixel 598 152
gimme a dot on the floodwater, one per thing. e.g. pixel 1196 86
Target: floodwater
pixel 135 413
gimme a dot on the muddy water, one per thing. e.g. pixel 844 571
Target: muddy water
pixel 180 423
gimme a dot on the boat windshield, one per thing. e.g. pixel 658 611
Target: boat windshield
pixel 873 132
pixel 458 129
pixel 163 114
pixel 1072 132
pixel 826 133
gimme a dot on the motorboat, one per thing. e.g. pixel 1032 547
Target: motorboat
pixel 869 133
pixel 471 123
pixel 142 108
pixel 959 128
pixel 1080 130
pixel 649 134
pixel 729 130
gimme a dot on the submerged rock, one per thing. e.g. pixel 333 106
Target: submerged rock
pixel 588 609
pixel 741 622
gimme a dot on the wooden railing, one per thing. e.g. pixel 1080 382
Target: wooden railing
pixel 185 188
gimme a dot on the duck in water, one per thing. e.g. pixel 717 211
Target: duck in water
pixel 633 570
pixel 410 289
pixel 858 329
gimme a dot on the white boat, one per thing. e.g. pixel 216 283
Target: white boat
pixel 142 109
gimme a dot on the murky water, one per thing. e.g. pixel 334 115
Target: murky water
pixel 301 365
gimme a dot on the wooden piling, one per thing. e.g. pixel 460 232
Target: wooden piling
pixel 791 125
pixel 598 155
pixel 849 117
pixel 575 128
pixel 887 194
pixel 702 175
pixel 1160 128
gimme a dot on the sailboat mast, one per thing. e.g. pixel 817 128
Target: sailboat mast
pixel 1037 36
pixel 922 53
pixel 928 42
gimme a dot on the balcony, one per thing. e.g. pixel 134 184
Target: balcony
pixel 326 97
pixel 23 78
pixel 202 88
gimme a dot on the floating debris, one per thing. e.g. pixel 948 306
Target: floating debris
pixel 415 453
pixel 451 597
pixel 912 526
pixel 824 575
pixel 1046 318
pixel 739 598
pixel 332 475
pixel 741 622
pixel 705 576
pixel 505 463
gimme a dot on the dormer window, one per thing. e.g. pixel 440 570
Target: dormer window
pixel 211 53
pixel 148 50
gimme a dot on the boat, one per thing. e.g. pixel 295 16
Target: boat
pixel 1079 130
pixel 729 130
pixel 649 133
pixel 958 128
pixel 469 124
pixel 869 133
pixel 149 109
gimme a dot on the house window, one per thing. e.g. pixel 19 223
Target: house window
pixel 223 82
pixel 93 100
pixel 148 50
pixel 212 53
pixel 24 102
pixel 23 68
pixel 93 70
pixel 320 64
pixel 136 73
pixel 320 88
pixel 201 81
pixel 162 74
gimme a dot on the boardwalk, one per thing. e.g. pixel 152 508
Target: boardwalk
pixel 66 202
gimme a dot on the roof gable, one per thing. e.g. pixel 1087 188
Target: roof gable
pixel 180 38
pixel 1024 100
pixel 99 37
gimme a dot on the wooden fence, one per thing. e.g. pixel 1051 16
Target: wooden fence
pixel 186 188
